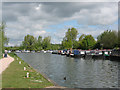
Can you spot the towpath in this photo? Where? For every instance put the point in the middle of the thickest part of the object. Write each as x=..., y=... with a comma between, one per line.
x=5, y=62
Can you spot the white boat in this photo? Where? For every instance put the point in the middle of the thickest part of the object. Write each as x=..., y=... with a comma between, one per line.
x=44, y=51
x=18, y=51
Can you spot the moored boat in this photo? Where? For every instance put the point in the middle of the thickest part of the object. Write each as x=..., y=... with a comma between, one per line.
x=115, y=55
x=98, y=55
x=89, y=54
x=55, y=52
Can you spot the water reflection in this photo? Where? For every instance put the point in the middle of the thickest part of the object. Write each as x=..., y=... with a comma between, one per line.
x=79, y=73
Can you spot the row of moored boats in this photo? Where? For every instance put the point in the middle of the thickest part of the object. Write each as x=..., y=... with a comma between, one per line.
x=90, y=54
x=87, y=54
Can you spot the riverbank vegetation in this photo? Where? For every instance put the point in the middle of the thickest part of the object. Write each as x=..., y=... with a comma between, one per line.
x=15, y=76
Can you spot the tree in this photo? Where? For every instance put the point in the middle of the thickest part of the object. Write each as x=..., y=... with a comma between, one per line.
x=67, y=44
x=119, y=38
x=80, y=46
x=46, y=43
x=29, y=42
x=108, y=39
x=3, y=39
x=55, y=46
x=76, y=45
x=38, y=44
x=97, y=46
x=88, y=42
x=81, y=37
x=69, y=38
x=71, y=34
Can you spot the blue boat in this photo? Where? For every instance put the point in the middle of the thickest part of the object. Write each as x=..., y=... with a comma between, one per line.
x=64, y=52
x=76, y=54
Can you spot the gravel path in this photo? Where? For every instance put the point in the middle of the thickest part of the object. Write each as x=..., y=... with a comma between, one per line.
x=4, y=63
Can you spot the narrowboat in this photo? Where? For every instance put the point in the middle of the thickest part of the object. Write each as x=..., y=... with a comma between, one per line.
x=63, y=52
x=55, y=52
x=76, y=53
x=98, y=55
x=115, y=55
x=89, y=54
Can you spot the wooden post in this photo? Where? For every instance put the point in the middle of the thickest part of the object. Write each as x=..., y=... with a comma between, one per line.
x=27, y=74
x=19, y=62
x=24, y=68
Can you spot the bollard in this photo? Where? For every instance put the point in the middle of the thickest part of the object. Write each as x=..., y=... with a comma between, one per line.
x=27, y=74
x=19, y=62
x=24, y=68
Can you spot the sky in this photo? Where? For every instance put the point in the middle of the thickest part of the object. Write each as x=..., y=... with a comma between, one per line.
x=54, y=18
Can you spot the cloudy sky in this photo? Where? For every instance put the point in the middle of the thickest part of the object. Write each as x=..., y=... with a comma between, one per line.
x=54, y=18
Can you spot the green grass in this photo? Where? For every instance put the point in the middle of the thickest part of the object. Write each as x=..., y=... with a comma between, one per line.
x=15, y=76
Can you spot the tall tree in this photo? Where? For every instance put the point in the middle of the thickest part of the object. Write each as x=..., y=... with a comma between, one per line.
x=71, y=34
x=29, y=42
x=3, y=39
x=119, y=38
x=80, y=46
x=46, y=43
x=67, y=44
x=88, y=42
x=108, y=39
x=38, y=44
x=70, y=38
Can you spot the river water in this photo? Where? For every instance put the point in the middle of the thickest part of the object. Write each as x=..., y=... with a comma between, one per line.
x=79, y=73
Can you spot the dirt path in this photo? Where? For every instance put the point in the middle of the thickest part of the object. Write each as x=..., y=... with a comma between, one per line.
x=4, y=63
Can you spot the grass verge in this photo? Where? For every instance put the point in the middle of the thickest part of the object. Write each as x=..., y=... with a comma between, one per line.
x=15, y=76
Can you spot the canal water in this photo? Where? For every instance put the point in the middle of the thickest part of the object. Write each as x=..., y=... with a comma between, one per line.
x=79, y=73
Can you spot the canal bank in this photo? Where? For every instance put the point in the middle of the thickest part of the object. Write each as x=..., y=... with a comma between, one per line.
x=16, y=76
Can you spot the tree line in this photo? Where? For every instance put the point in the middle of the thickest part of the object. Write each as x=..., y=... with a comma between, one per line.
x=37, y=44
x=106, y=40
x=109, y=39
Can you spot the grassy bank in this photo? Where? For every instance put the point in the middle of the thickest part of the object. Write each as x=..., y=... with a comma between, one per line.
x=15, y=76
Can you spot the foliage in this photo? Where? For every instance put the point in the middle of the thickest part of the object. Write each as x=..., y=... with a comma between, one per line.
x=13, y=48
x=76, y=45
x=88, y=42
x=80, y=46
x=119, y=38
x=55, y=46
x=69, y=38
x=97, y=46
x=108, y=39
x=29, y=42
x=71, y=34
x=67, y=44
x=46, y=43
x=2, y=30
x=38, y=44
x=3, y=39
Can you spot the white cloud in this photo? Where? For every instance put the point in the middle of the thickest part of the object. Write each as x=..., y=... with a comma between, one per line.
x=34, y=18
x=37, y=33
x=37, y=26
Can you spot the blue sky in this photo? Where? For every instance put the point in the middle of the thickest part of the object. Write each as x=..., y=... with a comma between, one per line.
x=54, y=18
